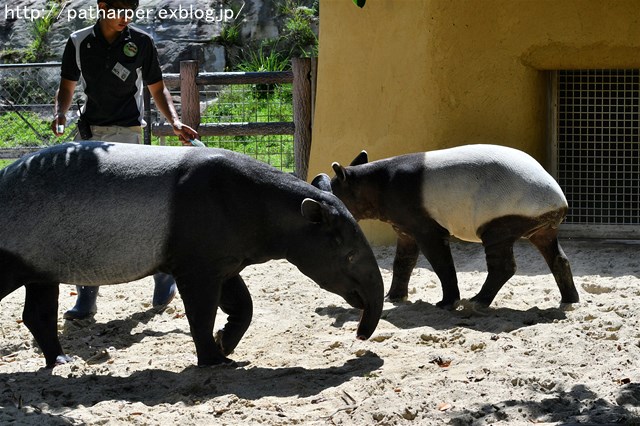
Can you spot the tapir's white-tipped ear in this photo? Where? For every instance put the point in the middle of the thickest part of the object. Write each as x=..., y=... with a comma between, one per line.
x=322, y=181
x=312, y=210
x=362, y=158
x=341, y=173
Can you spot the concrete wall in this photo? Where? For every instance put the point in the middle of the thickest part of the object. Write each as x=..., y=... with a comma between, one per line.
x=413, y=75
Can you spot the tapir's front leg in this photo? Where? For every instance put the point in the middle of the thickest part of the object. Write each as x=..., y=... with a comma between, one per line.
x=201, y=296
x=40, y=315
x=407, y=253
x=236, y=302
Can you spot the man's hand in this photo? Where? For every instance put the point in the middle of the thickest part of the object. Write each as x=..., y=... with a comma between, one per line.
x=60, y=120
x=184, y=132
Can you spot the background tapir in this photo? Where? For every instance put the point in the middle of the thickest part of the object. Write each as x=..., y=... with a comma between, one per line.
x=96, y=213
x=483, y=193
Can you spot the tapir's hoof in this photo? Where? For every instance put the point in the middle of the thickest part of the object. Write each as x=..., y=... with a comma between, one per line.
x=225, y=362
x=218, y=337
x=72, y=314
x=60, y=359
x=397, y=297
x=480, y=301
x=472, y=307
x=449, y=305
x=569, y=300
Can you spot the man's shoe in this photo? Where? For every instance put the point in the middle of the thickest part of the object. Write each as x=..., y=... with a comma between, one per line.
x=85, y=303
x=165, y=289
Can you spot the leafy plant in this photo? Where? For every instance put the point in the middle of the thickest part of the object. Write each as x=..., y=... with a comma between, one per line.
x=229, y=36
x=11, y=55
x=359, y=3
x=265, y=58
x=38, y=50
x=298, y=32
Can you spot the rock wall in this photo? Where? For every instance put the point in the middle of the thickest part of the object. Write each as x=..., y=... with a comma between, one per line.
x=182, y=29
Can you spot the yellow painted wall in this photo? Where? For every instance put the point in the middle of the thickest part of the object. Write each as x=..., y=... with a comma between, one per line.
x=402, y=76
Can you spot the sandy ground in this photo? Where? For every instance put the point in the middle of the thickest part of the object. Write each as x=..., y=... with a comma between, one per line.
x=526, y=360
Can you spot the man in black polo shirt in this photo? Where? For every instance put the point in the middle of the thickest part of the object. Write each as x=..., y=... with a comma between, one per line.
x=114, y=60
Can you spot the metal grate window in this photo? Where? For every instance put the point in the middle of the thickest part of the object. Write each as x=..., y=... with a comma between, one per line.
x=597, y=158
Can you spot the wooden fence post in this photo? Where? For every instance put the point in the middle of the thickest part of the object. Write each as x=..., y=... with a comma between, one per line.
x=302, y=115
x=314, y=87
x=189, y=93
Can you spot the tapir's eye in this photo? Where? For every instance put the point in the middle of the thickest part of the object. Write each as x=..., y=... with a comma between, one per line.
x=351, y=256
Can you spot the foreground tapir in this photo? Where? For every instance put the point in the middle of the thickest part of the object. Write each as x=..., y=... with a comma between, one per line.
x=96, y=213
x=483, y=193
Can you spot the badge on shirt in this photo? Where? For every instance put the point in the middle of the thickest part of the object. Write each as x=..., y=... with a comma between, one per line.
x=130, y=49
x=120, y=71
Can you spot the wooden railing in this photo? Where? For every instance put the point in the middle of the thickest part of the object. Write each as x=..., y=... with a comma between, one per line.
x=189, y=80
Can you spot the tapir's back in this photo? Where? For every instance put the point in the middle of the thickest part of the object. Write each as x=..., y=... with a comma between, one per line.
x=468, y=186
x=75, y=208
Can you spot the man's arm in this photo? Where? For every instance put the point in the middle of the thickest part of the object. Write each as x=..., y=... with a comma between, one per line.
x=163, y=101
x=63, y=99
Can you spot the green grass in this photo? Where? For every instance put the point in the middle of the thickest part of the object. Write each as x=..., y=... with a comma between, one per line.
x=15, y=132
x=238, y=104
x=5, y=163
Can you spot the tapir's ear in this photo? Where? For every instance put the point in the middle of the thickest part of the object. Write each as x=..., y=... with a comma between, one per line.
x=362, y=158
x=341, y=173
x=322, y=181
x=312, y=210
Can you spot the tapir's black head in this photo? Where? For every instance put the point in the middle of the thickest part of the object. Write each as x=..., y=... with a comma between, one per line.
x=347, y=187
x=334, y=252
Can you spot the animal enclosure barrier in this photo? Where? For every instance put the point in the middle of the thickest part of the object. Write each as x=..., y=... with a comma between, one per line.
x=262, y=128
x=209, y=100
x=596, y=150
x=26, y=96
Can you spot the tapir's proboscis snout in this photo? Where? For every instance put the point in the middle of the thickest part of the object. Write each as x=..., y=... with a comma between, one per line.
x=371, y=312
x=198, y=214
x=370, y=300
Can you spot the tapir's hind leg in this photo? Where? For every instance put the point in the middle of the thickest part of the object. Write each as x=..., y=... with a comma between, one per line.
x=407, y=253
x=546, y=240
x=498, y=238
x=501, y=266
x=40, y=315
x=435, y=247
x=201, y=297
x=236, y=302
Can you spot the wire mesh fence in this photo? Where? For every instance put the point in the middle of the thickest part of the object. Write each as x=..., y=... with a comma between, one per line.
x=26, y=105
x=598, y=145
x=245, y=103
x=26, y=109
